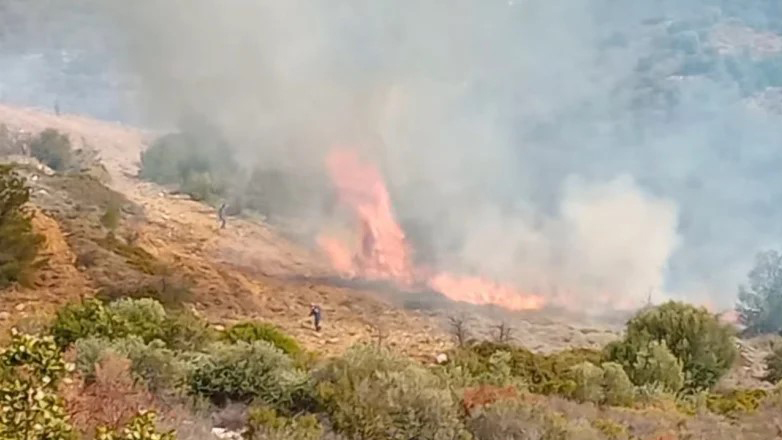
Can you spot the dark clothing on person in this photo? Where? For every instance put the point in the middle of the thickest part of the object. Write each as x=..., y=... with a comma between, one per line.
x=315, y=313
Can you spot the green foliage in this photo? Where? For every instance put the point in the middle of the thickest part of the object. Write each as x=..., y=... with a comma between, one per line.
x=517, y=420
x=370, y=393
x=696, y=337
x=30, y=371
x=53, y=149
x=655, y=364
x=158, y=367
x=618, y=390
x=774, y=365
x=735, y=402
x=88, y=318
x=588, y=379
x=135, y=256
x=246, y=372
x=19, y=244
x=142, y=427
x=197, y=160
x=111, y=217
x=143, y=318
x=546, y=374
x=265, y=423
x=610, y=429
x=252, y=331
x=759, y=306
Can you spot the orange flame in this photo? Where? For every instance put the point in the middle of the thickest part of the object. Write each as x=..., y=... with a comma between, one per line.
x=384, y=252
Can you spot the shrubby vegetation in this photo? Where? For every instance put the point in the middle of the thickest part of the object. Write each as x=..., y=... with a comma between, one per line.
x=53, y=149
x=697, y=338
x=485, y=391
x=18, y=241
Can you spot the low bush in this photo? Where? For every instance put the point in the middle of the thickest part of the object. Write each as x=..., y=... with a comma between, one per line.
x=247, y=372
x=696, y=337
x=264, y=423
x=53, y=149
x=773, y=363
x=142, y=427
x=518, y=420
x=618, y=390
x=655, y=364
x=735, y=402
x=588, y=380
x=144, y=318
x=370, y=393
x=31, y=369
x=19, y=243
x=75, y=321
x=111, y=217
x=259, y=331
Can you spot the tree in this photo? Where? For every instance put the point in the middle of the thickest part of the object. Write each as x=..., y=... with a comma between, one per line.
x=760, y=303
x=53, y=149
x=19, y=244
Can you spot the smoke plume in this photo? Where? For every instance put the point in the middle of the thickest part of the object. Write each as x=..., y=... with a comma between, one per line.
x=553, y=145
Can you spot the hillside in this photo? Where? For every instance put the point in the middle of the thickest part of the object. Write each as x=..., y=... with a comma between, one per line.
x=248, y=270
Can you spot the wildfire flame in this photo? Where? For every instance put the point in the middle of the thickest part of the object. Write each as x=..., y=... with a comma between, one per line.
x=384, y=252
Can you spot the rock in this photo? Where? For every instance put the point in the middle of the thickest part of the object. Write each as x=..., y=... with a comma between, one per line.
x=219, y=328
x=441, y=358
x=4, y=316
x=19, y=307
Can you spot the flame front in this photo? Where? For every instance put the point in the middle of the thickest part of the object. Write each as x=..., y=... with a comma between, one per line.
x=384, y=253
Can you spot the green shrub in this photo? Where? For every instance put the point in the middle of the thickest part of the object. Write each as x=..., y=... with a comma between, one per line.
x=259, y=331
x=111, y=217
x=610, y=429
x=185, y=331
x=53, y=149
x=618, y=390
x=158, y=367
x=143, y=317
x=245, y=372
x=19, y=243
x=88, y=318
x=655, y=364
x=696, y=337
x=518, y=420
x=546, y=374
x=370, y=393
x=263, y=423
x=30, y=409
x=774, y=365
x=735, y=402
x=142, y=427
x=589, y=382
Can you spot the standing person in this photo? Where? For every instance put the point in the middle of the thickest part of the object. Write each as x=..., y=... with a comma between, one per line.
x=316, y=315
x=221, y=215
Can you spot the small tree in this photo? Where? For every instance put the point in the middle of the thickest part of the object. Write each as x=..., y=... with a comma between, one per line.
x=459, y=329
x=503, y=334
x=760, y=303
x=52, y=148
x=19, y=244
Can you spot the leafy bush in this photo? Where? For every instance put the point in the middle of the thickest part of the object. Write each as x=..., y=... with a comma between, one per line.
x=143, y=317
x=111, y=217
x=88, y=318
x=588, y=379
x=774, y=365
x=196, y=159
x=518, y=420
x=142, y=427
x=263, y=423
x=546, y=374
x=159, y=368
x=696, y=337
x=735, y=402
x=259, y=331
x=19, y=243
x=30, y=409
x=759, y=305
x=618, y=390
x=655, y=364
x=52, y=148
x=370, y=393
x=246, y=372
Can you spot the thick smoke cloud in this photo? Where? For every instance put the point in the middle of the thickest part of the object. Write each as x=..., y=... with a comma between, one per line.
x=549, y=144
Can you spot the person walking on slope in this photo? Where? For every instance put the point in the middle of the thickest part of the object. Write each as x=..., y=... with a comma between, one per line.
x=315, y=313
x=221, y=215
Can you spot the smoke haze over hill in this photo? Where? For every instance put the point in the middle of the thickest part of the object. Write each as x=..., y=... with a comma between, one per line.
x=593, y=149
